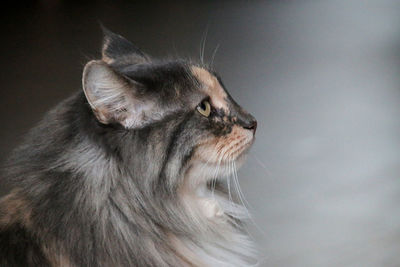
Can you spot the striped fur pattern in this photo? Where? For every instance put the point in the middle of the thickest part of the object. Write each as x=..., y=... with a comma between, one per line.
x=127, y=172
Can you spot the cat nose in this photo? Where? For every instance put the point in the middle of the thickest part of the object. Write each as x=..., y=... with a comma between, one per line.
x=246, y=120
x=251, y=125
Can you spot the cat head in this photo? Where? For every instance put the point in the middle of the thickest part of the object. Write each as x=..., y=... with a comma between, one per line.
x=186, y=112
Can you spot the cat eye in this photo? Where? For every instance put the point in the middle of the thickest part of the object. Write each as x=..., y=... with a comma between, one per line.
x=204, y=108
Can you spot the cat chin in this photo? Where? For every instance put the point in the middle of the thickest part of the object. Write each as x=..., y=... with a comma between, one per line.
x=201, y=172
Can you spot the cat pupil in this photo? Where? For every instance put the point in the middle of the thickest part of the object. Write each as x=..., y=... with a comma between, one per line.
x=203, y=105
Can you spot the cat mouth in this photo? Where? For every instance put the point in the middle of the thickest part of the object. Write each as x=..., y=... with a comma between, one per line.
x=242, y=150
x=235, y=155
x=215, y=163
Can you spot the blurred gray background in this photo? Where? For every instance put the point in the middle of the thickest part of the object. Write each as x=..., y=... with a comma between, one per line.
x=322, y=78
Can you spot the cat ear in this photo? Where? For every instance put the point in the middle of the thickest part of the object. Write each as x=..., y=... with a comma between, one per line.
x=112, y=96
x=117, y=48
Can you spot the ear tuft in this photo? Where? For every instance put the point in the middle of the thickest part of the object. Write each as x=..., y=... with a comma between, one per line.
x=117, y=48
x=107, y=92
x=114, y=98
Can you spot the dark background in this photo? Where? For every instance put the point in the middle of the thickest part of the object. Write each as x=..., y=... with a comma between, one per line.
x=322, y=78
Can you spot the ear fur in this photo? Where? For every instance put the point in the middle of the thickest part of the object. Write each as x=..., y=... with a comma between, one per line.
x=112, y=96
x=116, y=49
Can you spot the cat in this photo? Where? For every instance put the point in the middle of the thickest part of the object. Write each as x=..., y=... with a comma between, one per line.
x=131, y=170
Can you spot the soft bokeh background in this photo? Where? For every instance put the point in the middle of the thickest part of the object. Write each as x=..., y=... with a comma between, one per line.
x=322, y=78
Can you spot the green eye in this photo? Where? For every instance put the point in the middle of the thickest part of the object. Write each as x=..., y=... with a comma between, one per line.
x=204, y=108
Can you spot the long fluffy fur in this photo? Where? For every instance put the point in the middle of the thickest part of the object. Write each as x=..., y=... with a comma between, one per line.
x=89, y=193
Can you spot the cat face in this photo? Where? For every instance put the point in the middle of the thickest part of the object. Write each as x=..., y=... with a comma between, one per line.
x=183, y=107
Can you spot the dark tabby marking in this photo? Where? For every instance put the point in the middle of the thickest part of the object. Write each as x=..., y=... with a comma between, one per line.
x=123, y=173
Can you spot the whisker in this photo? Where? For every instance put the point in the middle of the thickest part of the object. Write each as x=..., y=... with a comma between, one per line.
x=240, y=192
x=261, y=164
x=214, y=180
x=203, y=44
x=213, y=55
x=229, y=183
x=249, y=215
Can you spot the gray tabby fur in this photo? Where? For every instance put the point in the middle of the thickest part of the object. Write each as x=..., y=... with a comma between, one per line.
x=117, y=174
